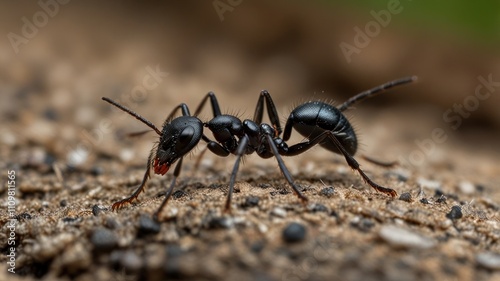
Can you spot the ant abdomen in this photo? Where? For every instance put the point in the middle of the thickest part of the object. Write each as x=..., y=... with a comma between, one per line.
x=313, y=118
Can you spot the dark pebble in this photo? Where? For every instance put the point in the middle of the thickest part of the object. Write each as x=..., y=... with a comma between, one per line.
x=438, y=193
x=219, y=223
x=63, y=203
x=104, y=239
x=172, y=266
x=174, y=251
x=364, y=224
x=327, y=192
x=251, y=201
x=24, y=216
x=50, y=114
x=319, y=208
x=264, y=185
x=215, y=186
x=455, y=213
x=424, y=201
x=257, y=246
x=179, y=194
x=406, y=196
x=148, y=226
x=441, y=199
x=294, y=232
x=96, y=171
x=71, y=220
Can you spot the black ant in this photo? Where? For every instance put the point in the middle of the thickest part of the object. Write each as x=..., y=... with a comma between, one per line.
x=320, y=122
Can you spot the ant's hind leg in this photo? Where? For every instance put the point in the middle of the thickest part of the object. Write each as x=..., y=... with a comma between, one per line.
x=304, y=146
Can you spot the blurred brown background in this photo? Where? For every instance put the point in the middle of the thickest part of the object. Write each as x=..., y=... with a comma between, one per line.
x=73, y=158
x=58, y=59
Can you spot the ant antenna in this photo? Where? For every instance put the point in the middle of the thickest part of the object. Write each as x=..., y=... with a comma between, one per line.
x=366, y=94
x=137, y=116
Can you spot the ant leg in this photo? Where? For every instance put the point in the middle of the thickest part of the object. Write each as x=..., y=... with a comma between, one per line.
x=177, y=171
x=304, y=146
x=284, y=170
x=239, y=152
x=136, y=193
x=184, y=109
x=214, y=147
x=369, y=93
x=271, y=111
x=213, y=101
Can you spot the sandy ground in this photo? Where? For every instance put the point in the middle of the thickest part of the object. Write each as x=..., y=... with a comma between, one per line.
x=73, y=159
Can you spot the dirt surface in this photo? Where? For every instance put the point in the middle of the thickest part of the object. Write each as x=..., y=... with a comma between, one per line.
x=73, y=159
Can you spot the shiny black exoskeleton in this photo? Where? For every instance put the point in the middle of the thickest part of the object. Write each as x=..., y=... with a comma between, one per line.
x=321, y=123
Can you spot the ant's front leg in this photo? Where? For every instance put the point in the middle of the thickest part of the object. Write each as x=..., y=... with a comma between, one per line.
x=177, y=171
x=131, y=198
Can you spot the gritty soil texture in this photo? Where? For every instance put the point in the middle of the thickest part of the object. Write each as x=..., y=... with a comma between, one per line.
x=441, y=226
x=73, y=160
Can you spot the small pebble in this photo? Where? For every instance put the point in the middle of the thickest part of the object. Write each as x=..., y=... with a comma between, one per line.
x=130, y=261
x=466, y=187
x=489, y=260
x=430, y=184
x=179, y=194
x=96, y=210
x=363, y=224
x=317, y=207
x=424, y=201
x=294, y=232
x=406, y=196
x=400, y=175
x=455, y=213
x=96, y=171
x=401, y=237
x=148, y=226
x=441, y=199
x=264, y=185
x=104, y=239
x=24, y=216
x=251, y=201
x=63, y=203
x=327, y=191
x=71, y=220
x=278, y=212
x=77, y=157
x=220, y=222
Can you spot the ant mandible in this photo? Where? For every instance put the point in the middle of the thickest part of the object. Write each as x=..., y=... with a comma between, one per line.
x=320, y=122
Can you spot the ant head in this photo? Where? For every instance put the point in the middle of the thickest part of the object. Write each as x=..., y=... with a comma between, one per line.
x=178, y=138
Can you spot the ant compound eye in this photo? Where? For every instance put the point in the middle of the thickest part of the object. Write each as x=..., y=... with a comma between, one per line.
x=185, y=137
